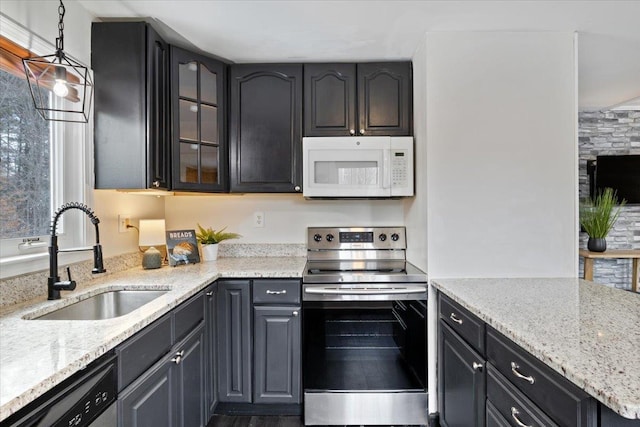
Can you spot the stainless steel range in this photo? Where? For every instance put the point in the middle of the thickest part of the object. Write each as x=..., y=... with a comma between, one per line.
x=364, y=320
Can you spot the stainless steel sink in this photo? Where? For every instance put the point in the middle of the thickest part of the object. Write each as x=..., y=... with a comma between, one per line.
x=102, y=306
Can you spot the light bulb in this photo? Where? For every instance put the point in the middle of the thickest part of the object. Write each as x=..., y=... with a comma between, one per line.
x=60, y=88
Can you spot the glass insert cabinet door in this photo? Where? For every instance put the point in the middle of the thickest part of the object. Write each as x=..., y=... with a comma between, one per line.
x=199, y=146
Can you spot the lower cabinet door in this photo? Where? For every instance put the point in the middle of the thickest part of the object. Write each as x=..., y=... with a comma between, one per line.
x=234, y=341
x=462, y=381
x=190, y=378
x=277, y=354
x=150, y=400
x=211, y=386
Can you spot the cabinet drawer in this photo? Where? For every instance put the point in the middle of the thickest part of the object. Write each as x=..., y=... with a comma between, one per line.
x=512, y=404
x=141, y=351
x=188, y=315
x=554, y=394
x=276, y=291
x=467, y=325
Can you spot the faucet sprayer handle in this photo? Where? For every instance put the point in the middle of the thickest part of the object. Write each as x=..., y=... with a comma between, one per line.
x=69, y=274
x=98, y=265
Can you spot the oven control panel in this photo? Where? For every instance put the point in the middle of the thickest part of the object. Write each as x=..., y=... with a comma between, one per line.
x=337, y=238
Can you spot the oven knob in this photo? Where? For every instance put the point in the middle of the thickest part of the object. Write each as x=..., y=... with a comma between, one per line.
x=329, y=237
x=395, y=237
x=317, y=237
x=382, y=237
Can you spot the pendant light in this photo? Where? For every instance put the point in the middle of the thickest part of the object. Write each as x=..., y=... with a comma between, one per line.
x=69, y=81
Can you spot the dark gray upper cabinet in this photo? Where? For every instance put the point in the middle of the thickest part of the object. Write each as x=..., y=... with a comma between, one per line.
x=358, y=99
x=330, y=99
x=265, y=134
x=199, y=147
x=234, y=341
x=131, y=117
x=385, y=98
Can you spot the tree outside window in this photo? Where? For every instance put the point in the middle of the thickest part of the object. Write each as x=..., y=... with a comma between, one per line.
x=25, y=171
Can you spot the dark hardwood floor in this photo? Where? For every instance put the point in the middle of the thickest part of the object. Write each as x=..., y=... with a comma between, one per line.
x=256, y=421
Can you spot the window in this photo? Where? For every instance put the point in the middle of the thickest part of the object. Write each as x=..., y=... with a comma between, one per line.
x=42, y=164
x=25, y=170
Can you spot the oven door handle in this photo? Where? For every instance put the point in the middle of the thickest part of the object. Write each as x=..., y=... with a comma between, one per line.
x=365, y=291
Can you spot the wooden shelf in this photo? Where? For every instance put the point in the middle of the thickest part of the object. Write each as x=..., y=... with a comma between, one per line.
x=632, y=254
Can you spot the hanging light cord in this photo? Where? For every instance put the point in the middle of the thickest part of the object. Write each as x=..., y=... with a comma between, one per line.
x=60, y=39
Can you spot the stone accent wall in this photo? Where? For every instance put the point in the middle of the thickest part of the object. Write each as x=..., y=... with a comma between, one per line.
x=602, y=133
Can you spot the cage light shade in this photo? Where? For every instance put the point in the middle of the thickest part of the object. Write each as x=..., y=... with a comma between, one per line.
x=69, y=80
x=152, y=232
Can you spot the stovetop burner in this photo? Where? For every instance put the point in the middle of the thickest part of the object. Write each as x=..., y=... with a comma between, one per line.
x=358, y=255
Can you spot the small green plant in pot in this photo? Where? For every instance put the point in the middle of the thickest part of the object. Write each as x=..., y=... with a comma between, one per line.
x=597, y=217
x=209, y=239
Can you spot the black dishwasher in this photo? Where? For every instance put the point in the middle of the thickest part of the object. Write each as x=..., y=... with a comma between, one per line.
x=88, y=398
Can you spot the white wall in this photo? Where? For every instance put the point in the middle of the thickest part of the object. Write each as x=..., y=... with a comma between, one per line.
x=501, y=154
x=108, y=204
x=415, y=208
x=286, y=216
x=500, y=114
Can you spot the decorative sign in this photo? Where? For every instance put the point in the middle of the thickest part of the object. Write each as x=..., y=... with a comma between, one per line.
x=182, y=247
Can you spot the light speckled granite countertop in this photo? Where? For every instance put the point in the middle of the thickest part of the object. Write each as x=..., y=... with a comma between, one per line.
x=587, y=332
x=36, y=355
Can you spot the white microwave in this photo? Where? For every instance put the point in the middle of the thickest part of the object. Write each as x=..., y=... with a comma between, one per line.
x=366, y=166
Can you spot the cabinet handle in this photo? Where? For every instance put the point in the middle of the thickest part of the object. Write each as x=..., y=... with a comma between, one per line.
x=514, y=369
x=453, y=317
x=295, y=313
x=178, y=357
x=282, y=292
x=352, y=131
x=361, y=131
x=209, y=294
x=514, y=415
x=156, y=183
x=297, y=188
x=476, y=366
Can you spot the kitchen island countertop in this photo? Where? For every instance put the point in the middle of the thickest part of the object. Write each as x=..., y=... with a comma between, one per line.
x=587, y=332
x=36, y=355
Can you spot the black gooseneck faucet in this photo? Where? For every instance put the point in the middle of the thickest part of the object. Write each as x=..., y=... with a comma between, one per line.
x=54, y=284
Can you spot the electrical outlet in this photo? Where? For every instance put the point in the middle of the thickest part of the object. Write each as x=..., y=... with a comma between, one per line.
x=123, y=221
x=258, y=219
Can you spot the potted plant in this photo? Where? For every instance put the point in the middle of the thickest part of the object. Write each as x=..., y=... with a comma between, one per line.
x=597, y=217
x=209, y=239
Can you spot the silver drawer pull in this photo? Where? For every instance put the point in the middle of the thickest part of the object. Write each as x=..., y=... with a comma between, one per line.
x=514, y=369
x=514, y=415
x=453, y=317
x=209, y=294
x=282, y=292
x=295, y=313
x=476, y=366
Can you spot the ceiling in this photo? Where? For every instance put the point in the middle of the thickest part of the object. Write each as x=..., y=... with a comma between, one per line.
x=350, y=30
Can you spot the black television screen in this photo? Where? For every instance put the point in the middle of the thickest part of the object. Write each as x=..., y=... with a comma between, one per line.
x=622, y=173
